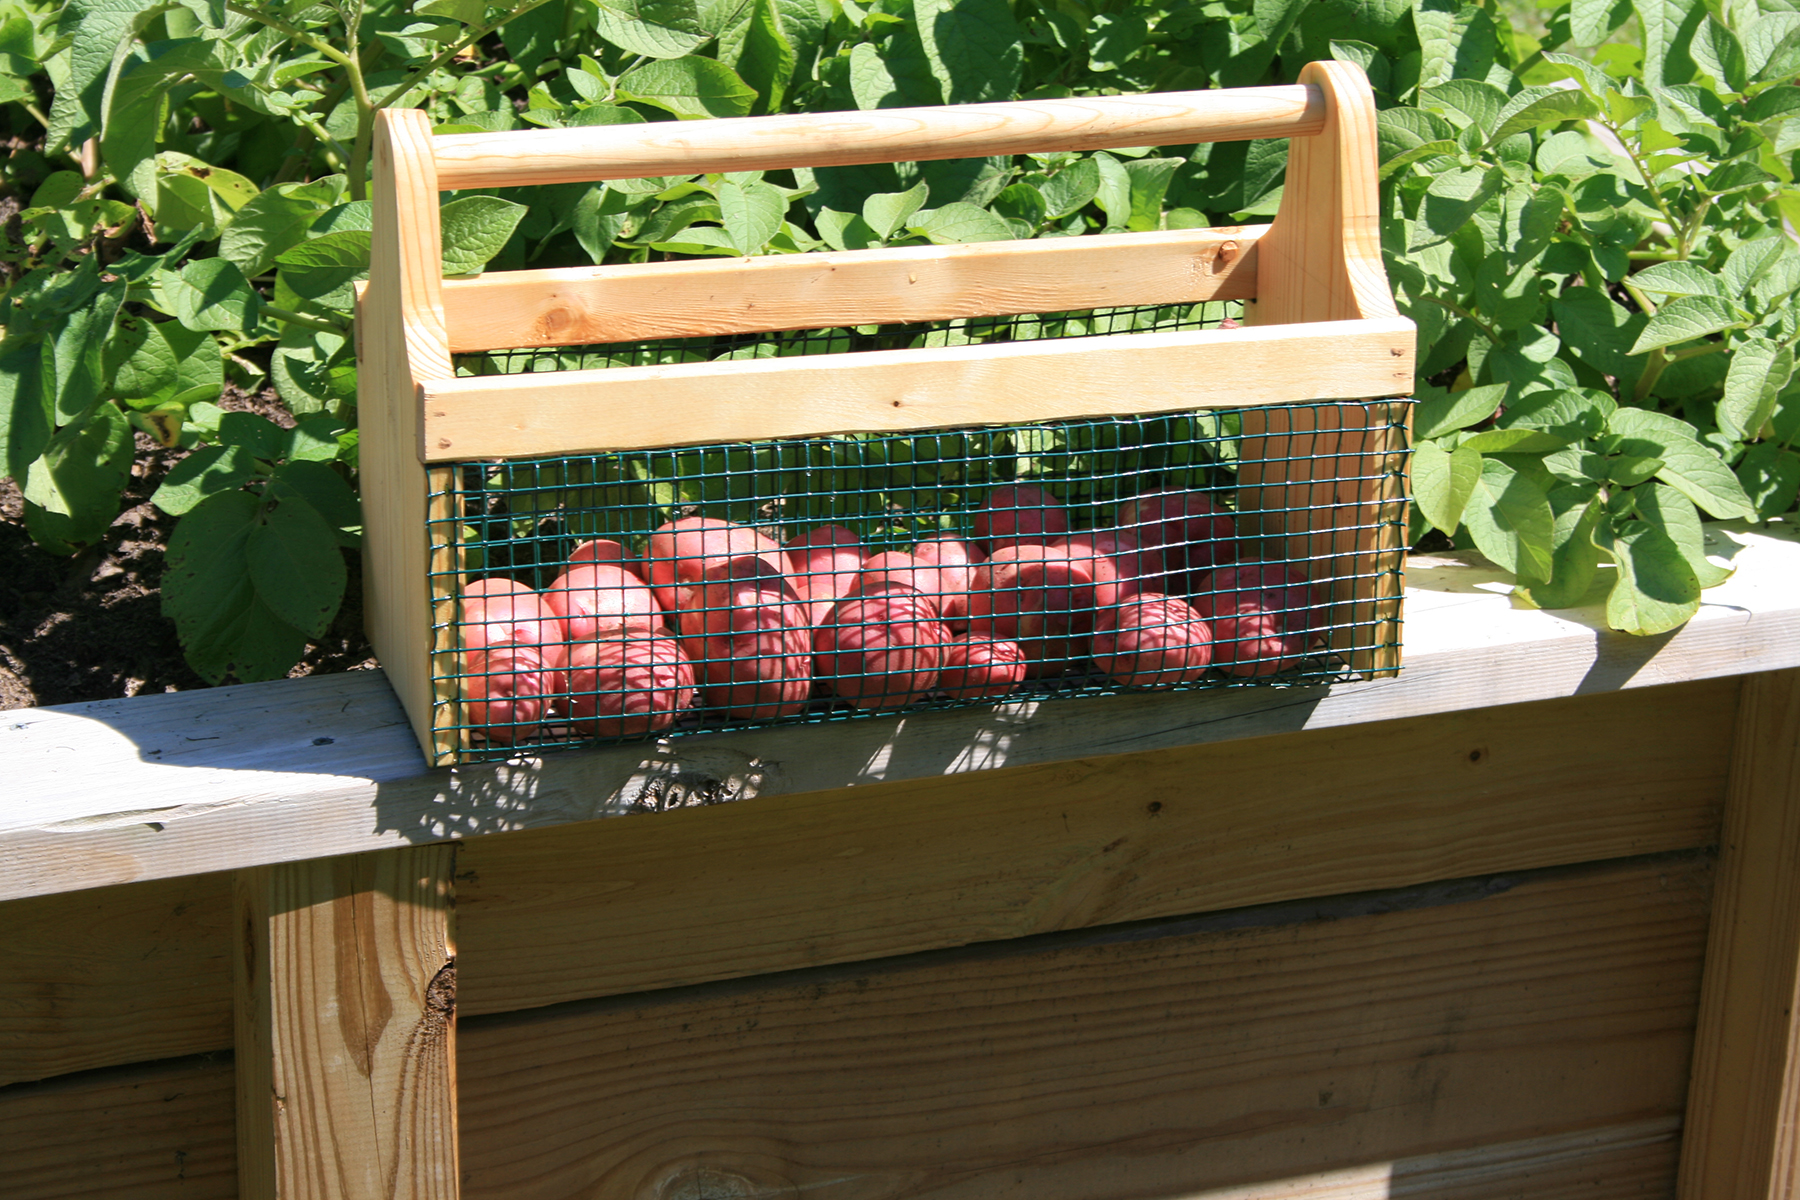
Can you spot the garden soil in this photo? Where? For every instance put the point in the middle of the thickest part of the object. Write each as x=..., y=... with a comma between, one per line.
x=91, y=627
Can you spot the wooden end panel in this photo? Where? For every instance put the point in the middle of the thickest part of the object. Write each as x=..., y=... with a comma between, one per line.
x=1324, y=487
x=448, y=740
x=592, y=305
x=542, y=156
x=575, y=412
x=684, y=897
x=1435, y=1049
x=401, y=342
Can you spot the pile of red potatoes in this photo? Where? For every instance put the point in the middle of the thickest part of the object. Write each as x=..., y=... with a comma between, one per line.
x=719, y=613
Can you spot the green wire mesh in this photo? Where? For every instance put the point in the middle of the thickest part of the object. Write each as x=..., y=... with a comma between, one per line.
x=578, y=626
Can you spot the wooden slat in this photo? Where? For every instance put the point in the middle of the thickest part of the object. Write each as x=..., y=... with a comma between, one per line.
x=1743, y=1139
x=400, y=341
x=574, y=306
x=481, y=160
x=114, y=975
x=345, y=1021
x=510, y=416
x=836, y=877
x=1252, y=1047
x=158, y=1131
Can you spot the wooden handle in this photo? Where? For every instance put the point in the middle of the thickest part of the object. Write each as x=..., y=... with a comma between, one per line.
x=592, y=153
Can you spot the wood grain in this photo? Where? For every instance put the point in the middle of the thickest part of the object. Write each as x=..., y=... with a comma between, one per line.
x=157, y=1131
x=1743, y=1136
x=835, y=877
x=574, y=306
x=400, y=342
x=1253, y=1048
x=114, y=975
x=345, y=1020
x=508, y=416
x=480, y=160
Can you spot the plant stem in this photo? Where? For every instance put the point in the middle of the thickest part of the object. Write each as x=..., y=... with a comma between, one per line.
x=1486, y=329
x=294, y=318
x=294, y=31
x=1644, y=174
x=405, y=85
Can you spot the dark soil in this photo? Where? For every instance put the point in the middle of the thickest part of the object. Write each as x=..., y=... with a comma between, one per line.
x=91, y=627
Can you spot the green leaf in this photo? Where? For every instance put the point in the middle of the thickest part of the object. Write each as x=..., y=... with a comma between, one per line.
x=26, y=414
x=72, y=491
x=1114, y=37
x=888, y=211
x=1772, y=48
x=1575, y=562
x=206, y=472
x=1675, y=515
x=1466, y=102
x=1718, y=52
x=296, y=565
x=1591, y=20
x=325, y=490
x=75, y=354
x=100, y=30
x=1575, y=153
x=1748, y=263
x=1070, y=189
x=1573, y=413
x=475, y=228
x=871, y=84
x=138, y=359
x=1759, y=370
x=1149, y=184
x=324, y=269
x=1656, y=590
x=1455, y=40
x=767, y=58
x=960, y=222
x=1452, y=199
x=1691, y=468
x=1684, y=319
x=1442, y=482
x=468, y=12
x=207, y=591
x=751, y=213
x=1538, y=106
x=1436, y=413
x=1771, y=478
x=274, y=220
x=689, y=87
x=1508, y=516
x=314, y=439
x=846, y=231
x=212, y=294
x=1599, y=332
x=974, y=47
x=256, y=434
x=1515, y=441
x=664, y=29
x=1668, y=28
x=1629, y=470
x=1678, y=279
x=135, y=110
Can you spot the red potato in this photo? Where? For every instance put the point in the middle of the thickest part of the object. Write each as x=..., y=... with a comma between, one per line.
x=599, y=550
x=1041, y=598
x=976, y=668
x=951, y=564
x=823, y=564
x=1152, y=641
x=882, y=647
x=750, y=637
x=507, y=691
x=1138, y=569
x=683, y=551
x=1020, y=514
x=599, y=599
x=1190, y=530
x=1265, y=617
x=503, y=612
x=629, y=684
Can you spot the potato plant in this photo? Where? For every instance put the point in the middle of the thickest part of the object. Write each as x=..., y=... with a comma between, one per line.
x=1587, y=226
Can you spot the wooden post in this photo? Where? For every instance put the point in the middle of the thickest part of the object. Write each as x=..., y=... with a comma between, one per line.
x=345, y=1028
x=1743, y=1116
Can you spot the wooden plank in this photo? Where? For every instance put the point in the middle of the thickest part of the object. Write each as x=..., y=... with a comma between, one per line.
x=481, y=160
x=623, y=906
x=574, y=306
x=156, y=1131
x=511, y=416
x=400, y=342
x=1246, y=1048
x=230, y=777
x=115, y=975
x=1743, y=1137
x=345, y=1028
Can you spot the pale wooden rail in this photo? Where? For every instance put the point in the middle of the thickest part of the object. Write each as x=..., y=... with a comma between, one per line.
x=480, y=160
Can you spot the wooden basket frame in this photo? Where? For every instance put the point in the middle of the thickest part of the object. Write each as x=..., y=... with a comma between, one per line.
x=1321, y=320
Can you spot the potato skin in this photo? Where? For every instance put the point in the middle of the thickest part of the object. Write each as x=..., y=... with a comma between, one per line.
x=1139, y=570
x=1152, y=641
x=599, y=550
x=503, y=612
x=507, y=691
x=1019, y=514
x=977, y=668
x=823, y=564
x=882, y=647
x=682, y=552
x=1191, y=532
x=1265, y=617
x=598, y=599
x=629, y=684
x=750, y=637
x=1041, y=598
